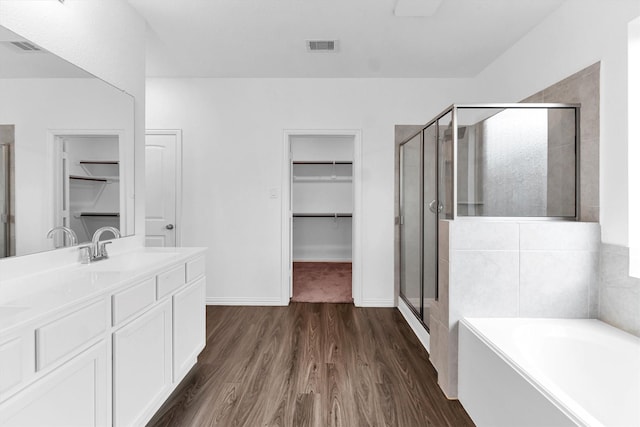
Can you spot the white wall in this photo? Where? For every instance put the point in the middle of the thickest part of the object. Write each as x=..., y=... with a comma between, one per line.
x=233, y=131
x=107, y=39
x=634, y=147
x=232, y=152
x=577, y=35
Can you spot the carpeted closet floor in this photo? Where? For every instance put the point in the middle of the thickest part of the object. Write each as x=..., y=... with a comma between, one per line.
x=322, y=282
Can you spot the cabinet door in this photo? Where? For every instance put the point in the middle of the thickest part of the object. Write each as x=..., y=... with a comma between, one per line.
x=141, y=366
x=75, y=394
x=188, y=327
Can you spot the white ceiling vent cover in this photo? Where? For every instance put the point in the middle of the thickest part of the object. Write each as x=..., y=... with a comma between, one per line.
x=26, y=46
x=322, y=45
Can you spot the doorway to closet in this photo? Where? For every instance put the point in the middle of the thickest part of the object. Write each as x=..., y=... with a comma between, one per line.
x=321, y=217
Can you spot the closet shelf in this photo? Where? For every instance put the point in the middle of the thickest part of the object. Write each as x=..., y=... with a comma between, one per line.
x=101, y=168
x=322, y=215
x=99, y=162
x=102, y=214
x=87, y=178
x=322, y=162
x=333, y=178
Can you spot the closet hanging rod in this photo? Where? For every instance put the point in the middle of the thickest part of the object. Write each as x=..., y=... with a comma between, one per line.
x=320, y=162
x=111, y=214
x=87, y=178
x=99, y=162
x=322, y=215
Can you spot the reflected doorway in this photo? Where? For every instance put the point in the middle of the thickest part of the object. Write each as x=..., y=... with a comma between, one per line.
x=7, y=194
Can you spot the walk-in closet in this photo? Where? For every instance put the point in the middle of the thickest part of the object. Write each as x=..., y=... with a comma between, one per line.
x=322, y=208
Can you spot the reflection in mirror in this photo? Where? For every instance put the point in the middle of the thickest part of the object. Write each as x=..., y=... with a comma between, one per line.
x=7, y=237
x=71, y=161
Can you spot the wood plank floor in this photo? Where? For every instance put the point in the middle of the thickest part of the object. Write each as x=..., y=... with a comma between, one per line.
x=310, y=365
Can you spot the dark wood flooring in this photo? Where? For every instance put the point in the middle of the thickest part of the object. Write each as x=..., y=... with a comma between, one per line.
x=310, y=365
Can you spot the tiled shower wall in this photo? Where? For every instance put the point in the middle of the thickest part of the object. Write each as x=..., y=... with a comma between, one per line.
x=583, y=88
x=510, y=269
x=619, y=293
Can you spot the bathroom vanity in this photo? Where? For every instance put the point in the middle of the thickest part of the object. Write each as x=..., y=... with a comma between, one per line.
x=100, y=344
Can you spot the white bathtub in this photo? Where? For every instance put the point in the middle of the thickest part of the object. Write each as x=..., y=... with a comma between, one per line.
x=548, y=372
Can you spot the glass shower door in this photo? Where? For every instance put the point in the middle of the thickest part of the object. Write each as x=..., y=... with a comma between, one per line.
x=411, y=223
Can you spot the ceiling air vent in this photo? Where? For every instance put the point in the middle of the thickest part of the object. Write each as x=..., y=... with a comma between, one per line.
x=322, y=45
x=26, y=46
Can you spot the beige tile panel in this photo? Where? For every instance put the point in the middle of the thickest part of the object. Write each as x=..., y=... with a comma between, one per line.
x=443, y=239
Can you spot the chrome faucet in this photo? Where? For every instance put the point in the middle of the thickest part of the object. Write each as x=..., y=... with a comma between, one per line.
x=97, y=250
x=73, y=237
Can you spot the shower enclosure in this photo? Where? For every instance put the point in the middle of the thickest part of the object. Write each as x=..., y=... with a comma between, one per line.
x=481, y=162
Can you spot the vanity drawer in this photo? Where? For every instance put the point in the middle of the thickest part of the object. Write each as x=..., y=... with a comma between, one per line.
x=170, y=280
x=195, y=268
x=66, y=334
x=132, y=300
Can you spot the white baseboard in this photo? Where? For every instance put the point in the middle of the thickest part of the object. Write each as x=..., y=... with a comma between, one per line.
x=323, y=260
x=415, y=325
x=376, y=302
x=243, y=301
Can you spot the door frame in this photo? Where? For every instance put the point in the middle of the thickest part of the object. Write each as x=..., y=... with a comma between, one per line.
x=178, y=208
x=286, y=213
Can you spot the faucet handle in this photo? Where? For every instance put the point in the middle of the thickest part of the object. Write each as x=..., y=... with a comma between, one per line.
x=86, y=253
x=102, y=249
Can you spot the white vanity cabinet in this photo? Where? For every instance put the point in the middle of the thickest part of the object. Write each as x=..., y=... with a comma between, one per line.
x=68, y=366
x=188, y=327
x=112, y=357
x=153, y=352
x=74, y=394
x=141, y=365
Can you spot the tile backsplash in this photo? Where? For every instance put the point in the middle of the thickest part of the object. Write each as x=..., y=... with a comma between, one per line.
x=619, y=293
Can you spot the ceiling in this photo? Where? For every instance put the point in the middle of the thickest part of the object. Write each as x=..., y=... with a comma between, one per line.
x=266, y=38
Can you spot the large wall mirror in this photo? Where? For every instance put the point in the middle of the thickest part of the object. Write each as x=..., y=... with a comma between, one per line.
x=66, y=151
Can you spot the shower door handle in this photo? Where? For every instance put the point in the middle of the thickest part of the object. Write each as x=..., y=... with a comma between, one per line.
x=433, y=208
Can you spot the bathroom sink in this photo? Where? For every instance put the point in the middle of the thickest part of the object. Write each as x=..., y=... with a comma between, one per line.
x=128, y=262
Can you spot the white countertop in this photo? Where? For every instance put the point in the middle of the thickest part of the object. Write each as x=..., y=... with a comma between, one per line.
x=27, y=298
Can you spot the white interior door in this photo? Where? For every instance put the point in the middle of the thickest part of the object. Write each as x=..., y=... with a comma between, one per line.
x=162, y=170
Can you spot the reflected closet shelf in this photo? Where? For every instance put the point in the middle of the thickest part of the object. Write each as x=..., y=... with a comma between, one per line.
x=101, y=179
x=101, y=168
x=102, y=214
x=333, y=178
x=87, y=178
x=322, y=162
x=322, y=215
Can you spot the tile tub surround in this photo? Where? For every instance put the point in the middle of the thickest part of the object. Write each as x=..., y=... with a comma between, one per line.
x=510, y=269
x=619, y=293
